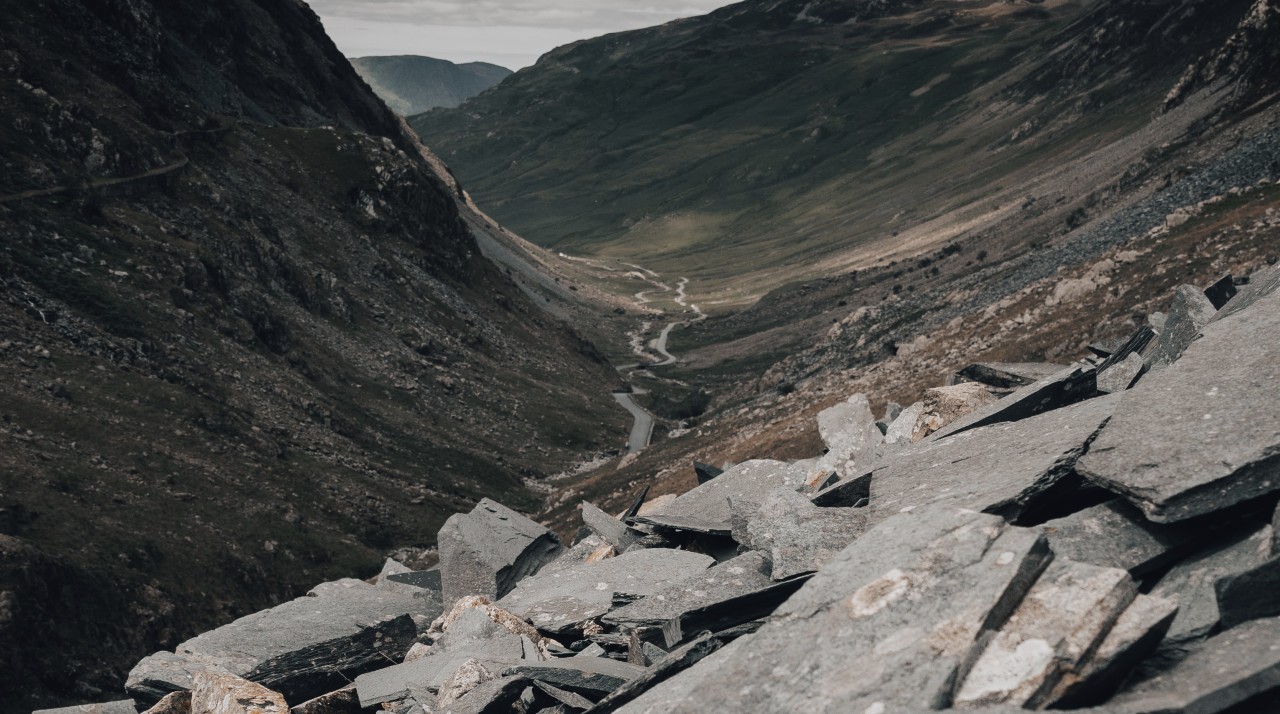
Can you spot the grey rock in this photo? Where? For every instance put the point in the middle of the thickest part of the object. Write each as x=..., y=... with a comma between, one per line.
x=495, y=696
x=1138, y=343
x=610, y=529
x=733, y=617
x=1202, y=434
x=573, y=700
x=389, y=567
x=473, y=635
x=592, y=675
x=1134, y=636
x=652, y=653
x=1121, y=376
x=421, y=579
x=944, y=406
x=343, y=701
x=1225, y=670
x=302, y=649
x=663, y=523
x=1261, y=285
x=849, y=431
x=221, y=693
x=847, y=493
x=1115, y=535
x=746, y=573
x=125, y=706
x=799, y=536
x=180, y=703
x=901, y=429
x=559, y=595
x=663, y=669
x=1188, y=315
x=1003, y=468
x=889, y=625
x=745, y=484
x=1062, y=389
x=1192, y=583
x=891, y=412
x=1009, y=375
x=1157, y=321
x=705, y=472
x=1249, y=595
x=1057, y=627
x=486, y=552
x=1221, y=292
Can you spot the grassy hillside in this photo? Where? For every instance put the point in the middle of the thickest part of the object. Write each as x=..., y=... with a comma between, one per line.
x=410, y=84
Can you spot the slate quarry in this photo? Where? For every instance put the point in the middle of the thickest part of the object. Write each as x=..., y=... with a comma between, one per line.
x=1078, y=543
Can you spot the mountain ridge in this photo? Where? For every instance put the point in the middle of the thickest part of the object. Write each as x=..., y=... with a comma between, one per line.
x=412, y=84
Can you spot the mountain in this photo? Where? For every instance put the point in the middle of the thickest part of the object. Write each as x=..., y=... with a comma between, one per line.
x=248, y=340
x=412, y=85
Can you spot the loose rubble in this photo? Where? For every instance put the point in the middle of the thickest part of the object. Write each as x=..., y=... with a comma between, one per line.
x=1094, y=538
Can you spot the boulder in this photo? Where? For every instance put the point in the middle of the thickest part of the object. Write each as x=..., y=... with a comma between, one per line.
x=487, y=551
x=213, y=693
x=1062, y=389
x=1115, y=535
x=946, y=405
x=745, y=484
x=799, y=536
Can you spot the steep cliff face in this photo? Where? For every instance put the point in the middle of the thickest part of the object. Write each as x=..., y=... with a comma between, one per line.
x=246, y=340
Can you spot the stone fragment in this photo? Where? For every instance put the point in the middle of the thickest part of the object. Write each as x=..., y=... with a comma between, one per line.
x=302, y=648
x=1188, y=315
x=849, y=431
x=744, y=574
x=1004, y=468
x=496, y=696
x=390, y=567
x=848, y=493
x=1115, y=535
x=125, y=706
x=469, y=675
x=1261, y=285
x=946, y=405
x=1121, y=376
x=1192, y=583
x=573, y=700
x=1055, y=629
x=1221, y=292
x=590, y=675
x=1062, y=389
x=421, y=579
x=901, y=428
x=729, y=618
x=610, y=529
x=705, y=472
x=799, y=536
x=1225, y=670
x=1008, y=375
x=685, y=524
x=745, y=484
x=664, y=667
x=562, y=596
x=486, y=552
x=658, y=505
x=213, y=693
x=180, y=703
x=635, y=506
x=1134, y=636
x=652, y=653
x=889, y=625
x=1137, y=343
x=511, y=622
x=1203, y=434
x=1249, y=595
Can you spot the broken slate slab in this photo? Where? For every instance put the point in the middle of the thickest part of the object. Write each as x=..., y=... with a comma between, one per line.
x=705, y=472
x=1203, y=434
x=302, y=648
x=848, y=493
x=343, y=701
x=1133, y=637
x=1121, y=376
x=1057, y=627
x=1192, y=583
x=799, y=536
x=1221, y=292
x=213, y=693
x=733, y=617
x=125, y=706
x=1249, y=595
x=1261, y=285
x=496, y=696
x=589, y=675
x=489, y=550
x=745, y=484
x=903, y=426
x=1223, y=671
x=568, y=596
x=1190, y=312
x=684, y=524
x=1062, y=389
x=663, y=669
x=573, y=700
x=744, y=574
x=849, y=431
x=1003, y=468
x=947, y=405
x=1009, y=375
x=889, y=625
x=1116, y=535
x=613, y=531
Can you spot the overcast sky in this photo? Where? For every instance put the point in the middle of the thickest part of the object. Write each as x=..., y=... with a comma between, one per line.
x=512, y=33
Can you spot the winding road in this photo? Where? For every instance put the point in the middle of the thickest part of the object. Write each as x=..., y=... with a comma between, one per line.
x=642, y=428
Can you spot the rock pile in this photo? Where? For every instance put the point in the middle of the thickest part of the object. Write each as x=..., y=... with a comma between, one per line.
x=1064, y=546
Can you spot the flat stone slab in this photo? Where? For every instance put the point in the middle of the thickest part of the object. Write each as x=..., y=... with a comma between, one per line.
x=489, y=550
x=663, y=669
x=634, y=574
x=1062, y=389
x=685, y=524
x=799, y=536
x=849, y=431
x=844, y=494
x=889, y=625
x=744, y=574
x=343, y=701
x=1002, y=468
x=302, y=649
x=610, y=529
x=705, y=472
x=1116, y=535
x=1009, y=375
x=1059, y=624
x=594, y=675
x=124, y=706
x=1202, y=434
x=1122, y=375
x=745, y=485
x=1190, y=312
x=943, y=406
x=1135, y=635
x=1225, y=670
x=1261, y=285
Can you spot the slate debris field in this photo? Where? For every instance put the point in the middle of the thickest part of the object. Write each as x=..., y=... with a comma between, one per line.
x=1056, y=548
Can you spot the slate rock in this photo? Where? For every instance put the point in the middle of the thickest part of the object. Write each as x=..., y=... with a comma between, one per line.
x=554, y=596
x=610, y=529
x=302, y=648
x=1221, y=292
x=1188, y=315
x=180, y=703
x=847, y=493
x=799, y=536
x=657, y=506
x=732, y=617
x=1137, y=343
x=1134, y=635
x=1115, y=535
x=1225, y=670
x=1192, y=583
x=421, y=579
x=489, y=550
x=745, y=484
x=1261, y=285
x=1122, y=375
x=468, y=675
x=1003, y=468
x=946, y=405
x=343, y=701
x=900, y=429
x=891, y=412
x=1061, y=390
x=849, y=431
x=495, y=696
x=663, y=669
x=1061, y=621
x=125, y=706
x=1008, y=375
x=705, y=472
x=1249, y=595
x=390, y=567
x=744, y=574
x=1203, y=434
x=213, y=693
x=591, y=675
x=889, y=625
x=572, y=700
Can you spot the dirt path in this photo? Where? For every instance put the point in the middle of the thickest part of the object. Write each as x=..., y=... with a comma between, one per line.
x=97, y=183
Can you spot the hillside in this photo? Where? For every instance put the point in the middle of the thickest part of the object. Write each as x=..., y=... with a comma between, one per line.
x=247, y=340
x=412, y=85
